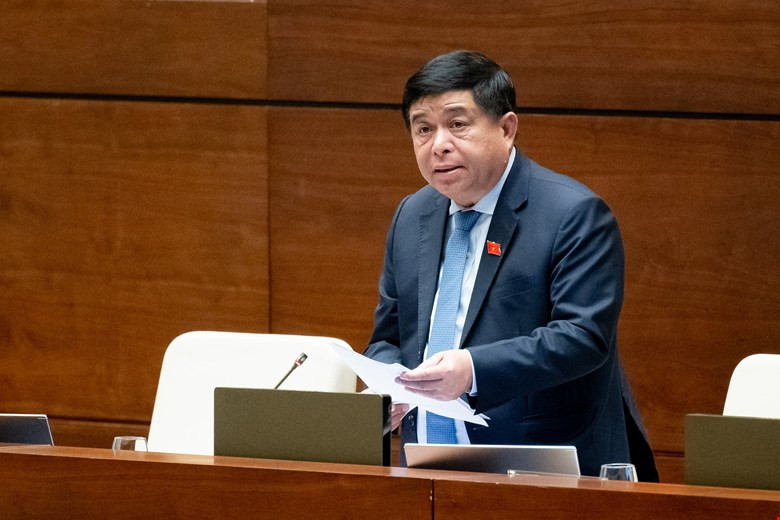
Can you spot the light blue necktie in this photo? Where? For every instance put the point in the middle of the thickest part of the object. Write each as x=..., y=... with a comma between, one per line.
x=441, y=430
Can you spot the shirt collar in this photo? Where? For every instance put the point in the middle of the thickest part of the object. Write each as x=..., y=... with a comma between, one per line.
x=487, y=204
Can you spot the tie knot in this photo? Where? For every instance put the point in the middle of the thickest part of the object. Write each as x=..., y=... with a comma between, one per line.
x=465, y=220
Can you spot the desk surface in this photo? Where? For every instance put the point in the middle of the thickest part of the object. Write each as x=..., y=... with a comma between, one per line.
x=64, y=482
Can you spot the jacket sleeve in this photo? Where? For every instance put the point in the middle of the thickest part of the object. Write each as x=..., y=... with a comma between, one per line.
x=384, y=344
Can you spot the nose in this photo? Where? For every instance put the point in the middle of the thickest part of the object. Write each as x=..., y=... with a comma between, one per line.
x=442, y=142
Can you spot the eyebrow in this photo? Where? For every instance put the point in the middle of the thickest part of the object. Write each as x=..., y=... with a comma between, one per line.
x=450, y=109
x=414, y=116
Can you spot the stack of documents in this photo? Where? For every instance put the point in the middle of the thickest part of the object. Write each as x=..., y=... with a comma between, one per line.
x=380, y=378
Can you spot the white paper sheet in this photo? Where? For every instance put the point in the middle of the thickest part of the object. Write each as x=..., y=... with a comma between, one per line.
x=380, y=378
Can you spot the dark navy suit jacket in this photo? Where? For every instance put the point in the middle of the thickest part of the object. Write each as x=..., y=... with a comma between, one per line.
x=542, y=323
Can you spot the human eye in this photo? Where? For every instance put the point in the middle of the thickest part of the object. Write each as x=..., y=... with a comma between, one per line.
x=422, y=132
x=458, y=125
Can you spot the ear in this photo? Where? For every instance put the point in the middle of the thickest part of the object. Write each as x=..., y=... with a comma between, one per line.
x=508, y=124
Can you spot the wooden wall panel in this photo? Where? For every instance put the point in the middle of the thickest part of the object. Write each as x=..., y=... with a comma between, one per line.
x=123, y=225
x=332, y=197
x=671, y=468
x=93, y=434
x=695, y=201
x=166, y=48
x=646, y=55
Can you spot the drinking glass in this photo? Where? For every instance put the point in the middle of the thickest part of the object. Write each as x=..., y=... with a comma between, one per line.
x=618, y=471
x=129, y=443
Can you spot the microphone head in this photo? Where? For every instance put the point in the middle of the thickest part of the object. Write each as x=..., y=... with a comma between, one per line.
x=301, y=358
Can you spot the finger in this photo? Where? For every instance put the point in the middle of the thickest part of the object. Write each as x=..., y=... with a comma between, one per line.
x=397, y=408
x=396, y=418
x=424, y=370
x=432, y=361
x=418, y=385
x=418, y=374
x=398, y=411
x=432, y=393
x=431, y=369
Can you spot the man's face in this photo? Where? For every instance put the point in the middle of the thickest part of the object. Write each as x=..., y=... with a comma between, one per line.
x=461, y=151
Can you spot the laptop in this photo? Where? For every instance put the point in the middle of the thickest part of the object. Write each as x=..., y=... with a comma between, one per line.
x=347, y=428
x=561, y=460
x=19, y=428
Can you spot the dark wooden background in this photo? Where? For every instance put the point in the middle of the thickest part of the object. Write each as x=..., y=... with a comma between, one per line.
x=169, y=166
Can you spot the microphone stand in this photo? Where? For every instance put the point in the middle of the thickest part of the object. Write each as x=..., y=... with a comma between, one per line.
x=298, y=362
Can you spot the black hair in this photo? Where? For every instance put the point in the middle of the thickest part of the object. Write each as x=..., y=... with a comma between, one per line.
x=490, y=85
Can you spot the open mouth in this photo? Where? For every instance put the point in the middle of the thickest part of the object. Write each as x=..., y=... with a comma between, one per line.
x=446, y=169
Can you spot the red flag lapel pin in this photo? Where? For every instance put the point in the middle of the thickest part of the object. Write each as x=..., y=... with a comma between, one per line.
x=494, y=248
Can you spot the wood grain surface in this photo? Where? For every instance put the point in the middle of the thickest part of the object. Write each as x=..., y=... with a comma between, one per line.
x=93, y=433
x=590, y=500
x=671, y=467
x=332, y=197
x=47, y=482
x=123, y=225
x=97, y=484
x=627, y=55
x=129, y=47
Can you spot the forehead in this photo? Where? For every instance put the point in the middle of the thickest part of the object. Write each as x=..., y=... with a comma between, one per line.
x=453, y=101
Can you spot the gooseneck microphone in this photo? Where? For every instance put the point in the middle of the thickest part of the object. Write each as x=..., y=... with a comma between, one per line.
x=298, y=362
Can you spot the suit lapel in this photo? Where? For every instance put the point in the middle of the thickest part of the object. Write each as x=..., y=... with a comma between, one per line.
x=432, y=226
x=505, y=220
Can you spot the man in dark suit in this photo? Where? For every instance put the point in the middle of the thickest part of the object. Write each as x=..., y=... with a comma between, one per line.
x=503, y=282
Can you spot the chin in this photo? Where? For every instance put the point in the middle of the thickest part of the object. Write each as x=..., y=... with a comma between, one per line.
x=447, y=191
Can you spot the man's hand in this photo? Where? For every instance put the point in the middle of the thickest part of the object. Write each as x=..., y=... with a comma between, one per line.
x=443, y=376
x=397, y=411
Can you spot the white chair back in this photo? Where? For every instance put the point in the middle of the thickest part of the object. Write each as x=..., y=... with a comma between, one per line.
x=754, y=390
x=197, y=362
